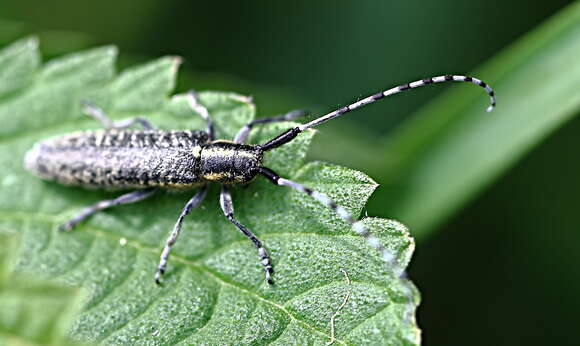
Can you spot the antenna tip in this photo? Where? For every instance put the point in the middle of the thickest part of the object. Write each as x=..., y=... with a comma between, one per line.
x=491, y=107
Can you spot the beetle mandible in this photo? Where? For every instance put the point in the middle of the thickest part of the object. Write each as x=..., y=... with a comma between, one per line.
x=149, y=159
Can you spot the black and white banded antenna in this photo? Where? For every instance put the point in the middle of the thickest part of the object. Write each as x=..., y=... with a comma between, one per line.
x=292, y=133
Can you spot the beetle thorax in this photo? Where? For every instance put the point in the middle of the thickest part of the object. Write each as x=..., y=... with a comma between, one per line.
x=230, y=163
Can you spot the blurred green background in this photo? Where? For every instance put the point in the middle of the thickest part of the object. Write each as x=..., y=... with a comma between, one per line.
x=502, y=270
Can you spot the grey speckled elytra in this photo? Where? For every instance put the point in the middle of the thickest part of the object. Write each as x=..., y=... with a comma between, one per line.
x=149, y=159
x=134, y=159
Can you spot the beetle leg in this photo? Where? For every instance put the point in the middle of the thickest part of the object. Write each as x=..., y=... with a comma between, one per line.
x=127, y=198
x=202, y=111
x=97, y=113
x=193, y=203
x=228, y=209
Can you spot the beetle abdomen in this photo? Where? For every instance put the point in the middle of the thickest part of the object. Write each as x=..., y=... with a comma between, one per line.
x=120, y=158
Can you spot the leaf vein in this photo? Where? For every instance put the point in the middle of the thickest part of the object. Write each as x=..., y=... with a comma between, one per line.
x=79, y=261
x=206, y=322
x=279, y=334
x=142, y=311
x=210, y=274
x=120, y=283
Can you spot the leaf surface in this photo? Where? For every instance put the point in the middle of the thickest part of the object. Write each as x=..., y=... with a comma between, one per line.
x=214, y=291
x=32, y=312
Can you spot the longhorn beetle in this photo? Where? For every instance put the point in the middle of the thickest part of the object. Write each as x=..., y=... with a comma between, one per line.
x=149, y=159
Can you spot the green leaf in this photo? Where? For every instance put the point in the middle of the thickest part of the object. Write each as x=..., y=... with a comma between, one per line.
x=214, y=291
x=452, y=149
x=18, y=64
x=33, y=312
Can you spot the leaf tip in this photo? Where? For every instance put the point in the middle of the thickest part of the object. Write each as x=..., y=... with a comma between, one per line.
x=30, y=42
x=174, y=62
x=25, y=44
x=110, y=50
x=249, y=100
